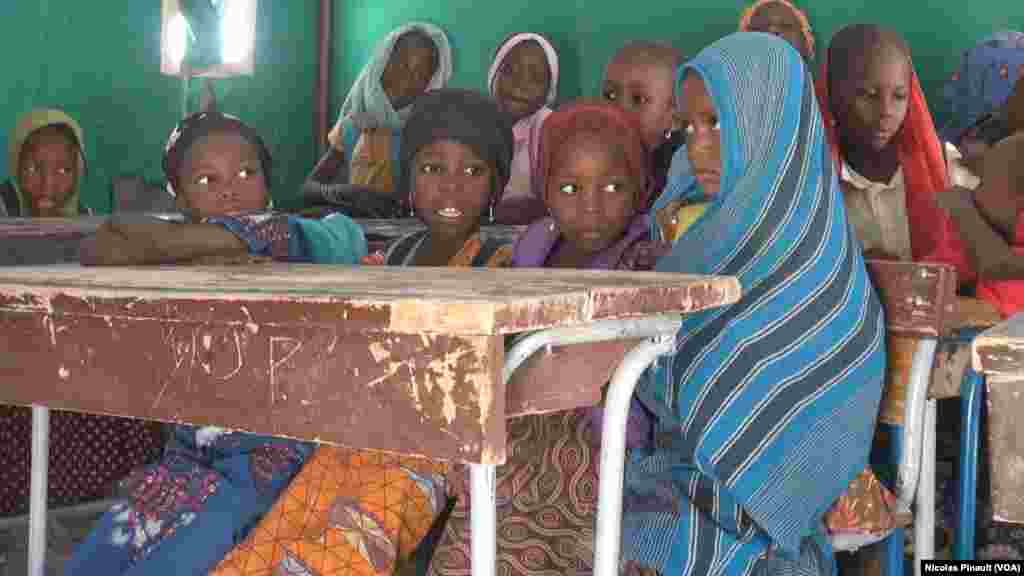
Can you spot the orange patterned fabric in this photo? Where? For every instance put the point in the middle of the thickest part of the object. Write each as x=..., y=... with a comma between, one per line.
x=867, y=507
x=347, y=512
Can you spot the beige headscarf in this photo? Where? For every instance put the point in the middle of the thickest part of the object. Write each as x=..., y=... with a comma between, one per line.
x=29, y=123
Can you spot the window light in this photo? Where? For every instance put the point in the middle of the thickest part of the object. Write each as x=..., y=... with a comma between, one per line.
x=237, y=33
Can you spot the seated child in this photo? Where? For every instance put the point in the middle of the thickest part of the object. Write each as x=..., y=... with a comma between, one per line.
x=374, y=509
x=783, y=19
x=641, y=78
x=976, y=98
x=889, y=158
x=991, y=225
x=593, y=167
x=46, y=154
x=524, y=80
x=412, y=59
x=88, y=453
x=184, y=513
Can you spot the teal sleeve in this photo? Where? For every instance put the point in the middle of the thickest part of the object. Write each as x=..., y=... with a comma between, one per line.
x=336, y=239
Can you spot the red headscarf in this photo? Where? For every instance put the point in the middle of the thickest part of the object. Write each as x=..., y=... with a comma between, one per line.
x=612, y=124
x=933, y=235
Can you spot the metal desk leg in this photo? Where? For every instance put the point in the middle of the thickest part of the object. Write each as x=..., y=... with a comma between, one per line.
x=924, y=514
x=37, y=496
x=483, y=520
x=608, y=540
x=967, y=493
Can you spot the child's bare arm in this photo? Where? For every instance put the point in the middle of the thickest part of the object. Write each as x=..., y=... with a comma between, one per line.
x=988, y=251
x=134, y=242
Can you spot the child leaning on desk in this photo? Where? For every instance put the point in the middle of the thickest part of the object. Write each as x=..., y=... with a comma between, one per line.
x=182, y=514
x=375, y=513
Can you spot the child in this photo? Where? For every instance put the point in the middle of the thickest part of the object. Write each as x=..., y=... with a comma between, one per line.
x=183, y=514
x=373, y=510
x=641, y=78
x=990, y=225
x=524, y=80
x=593, y=168
x=767, y=409
x=47, y=155
x=980, y=87
x=887, y=152
x=782, y=18
x=363, y=148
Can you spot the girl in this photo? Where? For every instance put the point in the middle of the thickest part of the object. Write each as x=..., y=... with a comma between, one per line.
x=373, y=509
x=524, y=80
x=767, y=409
x=412, y=59
x=640, y=78
x=47, y=155
x=887, y=153
x=978, y=91
x=183, y=514
x=593, y=168
x=782, y=18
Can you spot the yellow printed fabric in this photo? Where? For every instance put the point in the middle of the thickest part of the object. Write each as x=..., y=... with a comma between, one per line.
x=346, y=513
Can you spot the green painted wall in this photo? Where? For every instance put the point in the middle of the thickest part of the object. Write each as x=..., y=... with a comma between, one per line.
x=101, y=63
x=587, y=32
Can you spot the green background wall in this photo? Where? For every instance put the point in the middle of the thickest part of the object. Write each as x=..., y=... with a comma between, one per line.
x=587, y=32
x=100, y=61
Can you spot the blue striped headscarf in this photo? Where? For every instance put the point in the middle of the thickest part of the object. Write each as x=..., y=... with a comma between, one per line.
x=767, y=410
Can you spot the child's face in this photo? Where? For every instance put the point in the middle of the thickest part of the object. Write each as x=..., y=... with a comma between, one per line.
x=874, y=99
x=523, y=79
x=645, y=88
x=221, y=174
x=703, y=135
x=451, y=188
x=47, y=171
x=775, y=18
x=408, y=71
x=591, y=193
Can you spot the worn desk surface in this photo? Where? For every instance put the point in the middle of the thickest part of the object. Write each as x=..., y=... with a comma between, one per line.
x=1000, y=350
x=399, y=359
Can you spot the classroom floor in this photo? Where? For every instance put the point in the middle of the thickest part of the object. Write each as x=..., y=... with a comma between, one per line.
x=64, y=534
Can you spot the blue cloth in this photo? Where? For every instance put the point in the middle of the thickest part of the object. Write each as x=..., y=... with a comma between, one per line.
x=183, y=514
x=983, y=82
x=767, y=410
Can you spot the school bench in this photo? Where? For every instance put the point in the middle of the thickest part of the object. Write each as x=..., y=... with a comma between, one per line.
x=333, y=354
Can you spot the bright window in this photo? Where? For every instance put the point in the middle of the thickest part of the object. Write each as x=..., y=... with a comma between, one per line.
x=237, y=33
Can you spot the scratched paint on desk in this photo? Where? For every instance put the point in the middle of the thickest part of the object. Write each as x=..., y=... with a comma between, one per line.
x=414, y=394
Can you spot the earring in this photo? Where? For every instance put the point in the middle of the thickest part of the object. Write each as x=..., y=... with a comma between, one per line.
x=668, y=134
x=491, y=211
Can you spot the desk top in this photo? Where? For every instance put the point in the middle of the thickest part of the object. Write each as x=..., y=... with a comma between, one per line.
x=1000, y=350
x=393, y=299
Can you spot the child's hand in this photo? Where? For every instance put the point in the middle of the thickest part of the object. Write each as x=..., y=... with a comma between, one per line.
x=118, y=244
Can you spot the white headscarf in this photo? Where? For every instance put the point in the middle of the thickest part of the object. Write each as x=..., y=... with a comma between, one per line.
x=366, y=101
x=512, y=42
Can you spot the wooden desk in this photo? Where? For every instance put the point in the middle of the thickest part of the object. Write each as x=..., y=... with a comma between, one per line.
x=41, y=241
x=333, y=354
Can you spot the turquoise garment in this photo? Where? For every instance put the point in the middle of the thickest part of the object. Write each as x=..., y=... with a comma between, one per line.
x=183, y=514
x=767, y=409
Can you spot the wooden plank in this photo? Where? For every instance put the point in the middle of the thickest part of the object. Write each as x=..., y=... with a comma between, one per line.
x=1000, y=350
x=919, y=299
x=381, y=298
x=431, y=395
x=41, y=241
x=1006, y=437
x=397, y=359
